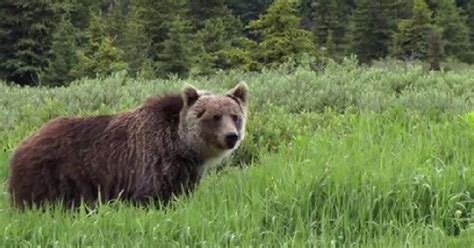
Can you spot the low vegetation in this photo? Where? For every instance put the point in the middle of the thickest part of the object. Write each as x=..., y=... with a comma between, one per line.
x=342, y=156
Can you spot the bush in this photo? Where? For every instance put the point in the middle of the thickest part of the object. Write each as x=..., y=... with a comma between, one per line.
x=295, y=93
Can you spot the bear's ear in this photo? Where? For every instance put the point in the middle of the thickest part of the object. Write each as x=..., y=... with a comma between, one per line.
x=239, y=92
x=190, y=95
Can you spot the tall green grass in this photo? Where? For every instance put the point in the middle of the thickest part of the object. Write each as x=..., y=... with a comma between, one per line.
x=350, y=156
x=374, y=182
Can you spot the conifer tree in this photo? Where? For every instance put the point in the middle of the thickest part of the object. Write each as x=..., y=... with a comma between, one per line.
x=410, y=41
x=202, y=10
x=108, y=59
x=157, y=17
x=435, y=48
x=63, y=52
x=331, y=16
x=455, y=31
x=137, y=45
x=220, y=40
x=328, y=15
x=372, y=23
x=116, y=20
x=99, y=56
x=176, y=56
x=248, y=10
x=25, y=39
x=281, y=36
x=329, y=45
x=470, y=24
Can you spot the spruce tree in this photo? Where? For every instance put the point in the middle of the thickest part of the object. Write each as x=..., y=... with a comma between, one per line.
x=157, y=16
x=202, y=10
x=410, y=41
x=248, y=10
x=63, y=54
x=371, y=27
x=281, y=36
x=137, y=44
x=435, y=48
x=9, y=34
x=176, y=56
x=330, y=16
x=220, y=41
x=25, y=37
x=329, y=45
x=98, y=57
x=455, y=31
x=108, y=59
x=470, y=24
x=116, y=20
x=80, y=11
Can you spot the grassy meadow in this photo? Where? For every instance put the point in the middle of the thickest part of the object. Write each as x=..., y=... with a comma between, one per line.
x=347, y=156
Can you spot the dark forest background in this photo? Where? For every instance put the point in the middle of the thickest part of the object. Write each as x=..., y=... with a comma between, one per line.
x=53, y=42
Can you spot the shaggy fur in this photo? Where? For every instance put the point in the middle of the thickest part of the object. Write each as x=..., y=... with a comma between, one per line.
x=152, y=153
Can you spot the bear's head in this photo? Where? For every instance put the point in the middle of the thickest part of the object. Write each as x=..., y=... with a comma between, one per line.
x=213, y=125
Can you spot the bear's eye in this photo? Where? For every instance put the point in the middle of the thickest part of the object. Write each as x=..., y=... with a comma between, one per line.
x=235, y=118
x=216, y=117
x=201, y=113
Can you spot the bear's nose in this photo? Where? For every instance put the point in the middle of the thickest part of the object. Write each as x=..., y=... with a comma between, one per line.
x=231, y=139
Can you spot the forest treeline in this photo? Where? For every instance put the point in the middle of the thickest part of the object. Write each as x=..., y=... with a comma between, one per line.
x=53, y=42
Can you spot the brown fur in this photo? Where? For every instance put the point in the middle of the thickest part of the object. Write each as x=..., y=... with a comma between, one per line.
x=151, y=153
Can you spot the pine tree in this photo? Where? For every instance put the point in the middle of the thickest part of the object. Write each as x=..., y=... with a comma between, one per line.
x=326, y=17
x=9, y=34
x=108, y=59
x=25, y=37
x=329, y=45
x=281, y=36
x=157, y=16
x=137, y=45
x=220, y=40
x=176, y=57
x=116, y=20
x=410, y=41
x=305, y=10
x=455, y=31
x=470, y=23
x=248, y=10
x=330, y=16
x=80, y=11
x=371, y=27
x=98, y=57
x=202, y=10
x=63, y=54
x=436, y=48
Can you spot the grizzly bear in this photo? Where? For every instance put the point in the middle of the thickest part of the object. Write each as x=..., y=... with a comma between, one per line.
x=153, y=153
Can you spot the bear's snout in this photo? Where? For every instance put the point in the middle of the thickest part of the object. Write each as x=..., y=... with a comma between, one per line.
x=231, y=139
